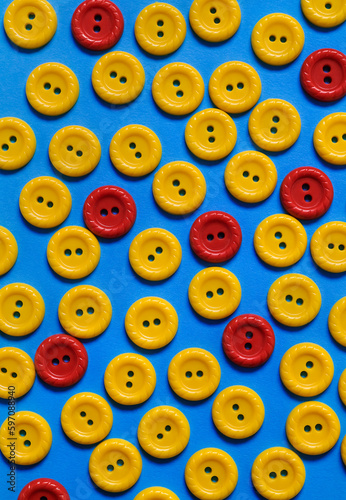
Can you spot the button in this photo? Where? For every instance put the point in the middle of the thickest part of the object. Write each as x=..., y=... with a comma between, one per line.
x=73, y=252
x=337, y=321
x=40, y=488
x=324, y=14
x=151, y=323
x=248, y=340
x=306, y=193
x=214, y=293
x=86, y=418
x=210, y=134
x=155, y=254
x=330, y=138
x=343, y=450
x=109, y=212
x=194, y=374
x=130, y=379
x=280, y=240
x=52, y=89
x=8, y=250
x=274, y=125
x=18, y=143
x=215, y=23
x=17, y=372
x=178, y=88
x=342, y=387
x=61, y=360
x=328, y=247
x=156, y=493
x=163, y=432
x=294, y=300
x=179, y=188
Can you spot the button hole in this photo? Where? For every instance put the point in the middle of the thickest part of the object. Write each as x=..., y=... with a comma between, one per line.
x=79, y=251
x=182, y=192
x=335, y=139
x=240, y=85
x=160, y=34
x=235, y=407
x=110, y=468
x=276, y=119
x=69, y=148
x=289, y=298
x=318, y=427
x=326, y=68
x=16, y=314
x=210, y=128
x=328, y=6
x=129, y=384
x=123, y=79
x=57, y=91
x=157, y=321
x=305, y=187
x=327, y=80
x=14, y=375
x=210, y=237
x=283, y=39
x=138, y=155
x=98, y=18
x=176, y=83
x=273, y=130
x=341, y=247
x=82, y=414
x=79, y=312
x=104, y=212
x=146, y=324
x=213, y=10
x=28, y=26
x=229, y=88
x=90, y=422
x=19, y=303
x=120, y=462
x=199, y=373
x=4, y=370
x=22, y=433
x=160, y=23
x=303, y=374
x=272, y=475
x=160, y=436
x=158, y=250
x=5, y=147
x=220, y=291
x=278, y=235
x=90, y=310
x=27, y=443
x=246, y=173
x=115, y=210
x=249, y=335
x=13, y=139
x=151, y=258
x=130, y=373
x=217, y=20
x=55, y=361
x=40, y=199
x=307, y=428
x=299, y=302
x=331, y=246
x=188, y=374
x=47, y=86
x=248, y=346
x=176, y=183
x=67, y=252
x=66, y=359
x=113, y=74
x=211, y=139
x=50, y=204
x=283, y=473
x=209, y=294
x=97, y=29
x=79, y=153
x=207, y=470
x=309, y=364
x=272, y=38
x=214, y=479
x=31, y=16
x=240, y=417
x=168, y=428
x=255, y=178
x=221, y=235
x=282, y=245
x=180, y=93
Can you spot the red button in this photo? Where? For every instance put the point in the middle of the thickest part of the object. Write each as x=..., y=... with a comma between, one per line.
x=97, y=24
x=109, y=212
x=306, y=193
x=43, y=489
x=215, y=236
x=248, y=340
x=323, y=75
x=61, y=360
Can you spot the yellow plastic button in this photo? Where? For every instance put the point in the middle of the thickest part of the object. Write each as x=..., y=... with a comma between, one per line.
x=18, y=143
x=330, y=138
x=178, y=88
x=342, y=387
x=130, y=379
x=337, y=321
x=86, y=418
x=8, y=250
x=274, y=125
x=52, y=89
x=238, y=412
x=294, y=300
x=324, y=13
x=215, y=20
x=313, y=428
x=328, y=246
x=179, y=187
x=194, y=374
x=156, y=493
x=17, y=372
x=85, y=311
x=343, y=450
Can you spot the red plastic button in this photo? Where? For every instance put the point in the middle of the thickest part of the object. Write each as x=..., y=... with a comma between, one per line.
x=97, y=24
x=109, y=212
x=248, y=340
x=306, y=193
x=43, y=488
x=61, y=360
x=215, y=236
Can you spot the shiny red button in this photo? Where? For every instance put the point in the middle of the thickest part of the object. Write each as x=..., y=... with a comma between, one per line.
x=306, y=193
x=248, y=340
x=97, y=24
x=43, y=489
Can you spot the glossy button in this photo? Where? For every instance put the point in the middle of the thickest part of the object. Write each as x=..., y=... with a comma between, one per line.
x=323, y=13
x=17, y=372
x=328, y=247
x=343, y=450
x=43, y=487
x=337, y=321
x=342, y=387
x=330, y=138
x=156, y=493
x=215, y=20
x=8, y=250
x=18, y=143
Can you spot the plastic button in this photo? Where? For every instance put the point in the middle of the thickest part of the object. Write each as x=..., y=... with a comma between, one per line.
x=8, y=250
x=17, y=372
x=43, y=487
x=337, y=321
x=323, y=13
x=343, y=450
x=18, y=143
x=215, y=21
x=330, y=138
x=328, y=247
x=342, y=387
x=156, y=493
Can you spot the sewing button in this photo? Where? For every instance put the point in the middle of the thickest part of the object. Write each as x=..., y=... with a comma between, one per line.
x=343, y=450
x=43, y=487
x=337, y=321
x=328, y=247
x=18, y=143
x=215, y=22
x=323, y=13
x=156, y=493
x=330, y=138
x=17, y=371
x=342, y=387
x=8, y=250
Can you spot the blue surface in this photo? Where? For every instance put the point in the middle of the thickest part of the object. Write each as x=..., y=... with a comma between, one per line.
x=67, y=462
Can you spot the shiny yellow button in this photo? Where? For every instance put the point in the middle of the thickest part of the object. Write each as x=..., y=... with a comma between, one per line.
x=330, y=138
x=8, y=250
x=86, y=418
x=156, y=493
x=294, y=300
x=274, y=125
x=215, y=20
x=74, y=151
x=194, y=374
x=31, y=436
x=151, y=323
x=343, y=450
x=17, y=372
x=328, y=247
x=52, y=89
x=179, y=188
x=325, y=14
x=342, y=387
x=18, y=143
x=337, y=321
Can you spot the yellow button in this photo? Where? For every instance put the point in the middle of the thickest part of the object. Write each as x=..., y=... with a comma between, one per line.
x=214, y=293
x=215, y=20
x=194, y=374
x=52, y=89
x=156, y=493
x=151, y=323
x=130, y=379
x=178, y=88
x=74, y=151
x=179, y=188
x=330, y=138
x=342, y=387
x=86, y=418
x=312, y=428
x=18, y=143
x=118, y=77
x=306, y=369
x=21, y=309
x=31, y=436
x=17, y=372
x=343, y=450
x=135, y=150
x=280, y=240
x=30, y=24
x=85, y=311
x=337, y=321
x=328, y=246
x=294, y=300
x=8, y=250
x=73, y=252
x=274, y=125
x=238, y=412
x=324, y=13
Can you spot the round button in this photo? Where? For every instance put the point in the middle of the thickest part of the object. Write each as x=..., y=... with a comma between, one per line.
x=163, y=432
x=248, y=340
x=18, y=143
x=342, y=387
x=97, y=24
x=43, y=487
x=214, y=293
x=86, y=418
x=151, y=323
x=61, y=360
x=118, y=77
x=8, y=250
x=323, y=13
x=194, y=374
x=130, y=379
x=52, y=89
x=45, y=202
x=215, y=20
x=156, y=493
x=210, y=134
x=73, y=252
x=109, y=212
x=179, y=188
x=306, y=193
x=343, y=450
x=337, y=321
x=238, y=412
x=294, y=300
x=274, y=125
x=280, y=240
x=17, y=372
x=330, y=138
x=178, y=88
x=328, y=247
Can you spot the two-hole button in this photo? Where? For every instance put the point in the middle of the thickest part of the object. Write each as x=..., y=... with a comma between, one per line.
x=328, y=245
x=16, y=371
x=215, y=21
